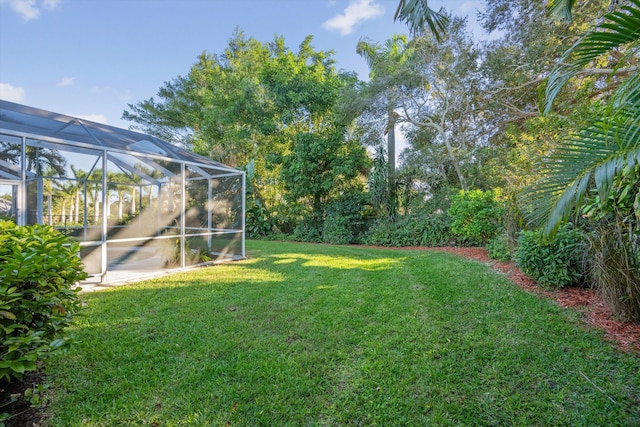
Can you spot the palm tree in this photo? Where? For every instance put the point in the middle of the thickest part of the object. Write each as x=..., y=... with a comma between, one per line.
x=606, y=156
x=385, y=64
x=65, y=190
x=40, y=160
x=598, y=154
x=93, y=184
x=47, y=187
x=115, y=181
x=80, y=177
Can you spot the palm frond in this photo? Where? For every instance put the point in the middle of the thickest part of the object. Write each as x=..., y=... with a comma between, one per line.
x=417, y=15
x=618, y=28
x=369, y=51
x=626, y=101
x=396, y=44
x=594, y=156
x=561, y=8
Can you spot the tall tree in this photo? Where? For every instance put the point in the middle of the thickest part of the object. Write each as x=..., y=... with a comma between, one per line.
x=514, y=69
x=602, y=151
x=246, y=108
x=444, y=103
x=388, y=75
x=517, y=63
x=322, y=165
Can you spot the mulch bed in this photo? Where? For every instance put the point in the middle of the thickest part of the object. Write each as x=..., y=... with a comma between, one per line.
x=596, y=312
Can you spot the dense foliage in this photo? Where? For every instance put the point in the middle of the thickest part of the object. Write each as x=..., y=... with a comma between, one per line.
x=271, y=112
x=346, y=220
x=419, y=228
x=38, y=267
x=476, y=216
x=553, y=261
x=499, y=248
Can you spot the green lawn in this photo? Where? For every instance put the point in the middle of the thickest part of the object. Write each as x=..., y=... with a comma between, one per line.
x=310, y=335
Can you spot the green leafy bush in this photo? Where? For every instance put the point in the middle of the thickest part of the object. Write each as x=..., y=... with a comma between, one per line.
x=258, y=221
x=476, y=216
x=498, y=248
x=38, y=266
x=417, y=229
x=553, y=261
x=309, y=230
x=345, y=222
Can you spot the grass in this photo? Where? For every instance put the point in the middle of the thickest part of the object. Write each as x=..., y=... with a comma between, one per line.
x=310, y=335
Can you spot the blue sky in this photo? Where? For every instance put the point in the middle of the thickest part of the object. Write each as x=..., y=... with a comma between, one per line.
x=90, y=58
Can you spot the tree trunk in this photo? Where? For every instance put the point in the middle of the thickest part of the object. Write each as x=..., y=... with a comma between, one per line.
x=96, y=207
x=456, y=164
x=63, y=216
x=133, y=201
x=391, y=160
x=49, y=209
x=77, y=212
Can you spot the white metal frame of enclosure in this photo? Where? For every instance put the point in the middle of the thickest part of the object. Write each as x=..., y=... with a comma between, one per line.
x=18, y=176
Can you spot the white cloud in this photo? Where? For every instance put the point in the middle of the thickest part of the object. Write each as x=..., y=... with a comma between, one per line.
x=12, y=93
x=66, y=81
x=467, y=6
x=100, y=118
x=30, y=9
x=356, y=12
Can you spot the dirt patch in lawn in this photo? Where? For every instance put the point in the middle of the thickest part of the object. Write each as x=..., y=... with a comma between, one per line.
x=589, y=302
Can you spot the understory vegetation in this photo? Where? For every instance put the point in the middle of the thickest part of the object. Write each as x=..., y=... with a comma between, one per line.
x=302, y=334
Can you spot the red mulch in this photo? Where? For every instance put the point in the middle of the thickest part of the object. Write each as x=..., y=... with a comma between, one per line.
x=596, y=312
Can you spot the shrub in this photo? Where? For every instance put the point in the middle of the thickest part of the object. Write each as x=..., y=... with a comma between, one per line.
x=434, y=230
x=337, y=230
x=379, y=233
x=258, y=221
x=553, y=261
x=386, y=232
x=476, y=216
x=416, y=229
x=345, y=221
x=38, y=266
x=498, y=248
x=308, y=230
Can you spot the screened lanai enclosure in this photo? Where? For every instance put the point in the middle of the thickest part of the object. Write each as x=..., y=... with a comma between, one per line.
x=137, y=205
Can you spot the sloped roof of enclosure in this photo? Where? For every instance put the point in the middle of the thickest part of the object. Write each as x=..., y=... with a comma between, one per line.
x=36, y=123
